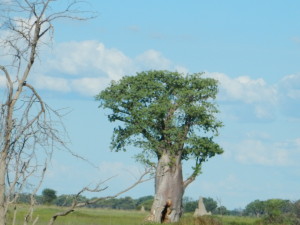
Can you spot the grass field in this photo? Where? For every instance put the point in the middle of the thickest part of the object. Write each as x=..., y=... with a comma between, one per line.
x=86, y=216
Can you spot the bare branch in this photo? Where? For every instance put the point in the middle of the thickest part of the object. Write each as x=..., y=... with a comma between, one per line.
x=29, y=215
x=10, y=83
x=76, y=204
x=27, y=123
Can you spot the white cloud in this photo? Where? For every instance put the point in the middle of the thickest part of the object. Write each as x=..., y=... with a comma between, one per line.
x=92, y=66
x=90, y=85
x=290, y=86
x=90, y=58
x=256, y=152
x=153, y=59
x=289, y=95
x=245, y=89
x=262, y=152
x=261, y=135
x=181, y=69
x=264, y=111
x=52, y=83
x=263, y=101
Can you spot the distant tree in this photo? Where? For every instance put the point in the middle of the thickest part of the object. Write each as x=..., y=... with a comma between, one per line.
x=221, y=210
x=297, y=208
x=190, y=206
x=277, y=209
x=255, y=208
x=67, y=200
x=126, y=203
x=172, y=117
x=273, y=209
x=24, y=198
x=236, y=212
x=63, y=200
x=187, y=199
x=145, y=201
x=210, y=204
x=48, y=196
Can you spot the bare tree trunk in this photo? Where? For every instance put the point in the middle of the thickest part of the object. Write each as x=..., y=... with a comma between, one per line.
x=169, y=189
x=23, y=129
x=2, y=190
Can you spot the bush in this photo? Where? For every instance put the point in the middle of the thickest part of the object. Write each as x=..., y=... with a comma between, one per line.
x=279, y=219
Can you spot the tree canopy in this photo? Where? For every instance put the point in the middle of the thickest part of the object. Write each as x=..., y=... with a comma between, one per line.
x=163, y=110
x=48, y=196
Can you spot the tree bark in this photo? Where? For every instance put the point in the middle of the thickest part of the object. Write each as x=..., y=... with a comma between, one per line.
x=2, y=189
x=169, y=189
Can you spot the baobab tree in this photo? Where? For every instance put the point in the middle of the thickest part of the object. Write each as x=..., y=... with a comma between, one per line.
x=29, y=128
x=172, y=118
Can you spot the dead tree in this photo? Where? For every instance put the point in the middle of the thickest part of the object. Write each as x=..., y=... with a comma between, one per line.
x=29, y=128
x=77, y=204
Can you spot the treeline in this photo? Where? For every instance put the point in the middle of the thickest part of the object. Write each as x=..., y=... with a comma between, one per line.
x=270, y=210
x=49, y=197
x=211, y=205
x=275, y=211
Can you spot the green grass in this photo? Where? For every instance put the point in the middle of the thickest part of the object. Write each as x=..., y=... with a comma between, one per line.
x=84, y=216
x=238, y=220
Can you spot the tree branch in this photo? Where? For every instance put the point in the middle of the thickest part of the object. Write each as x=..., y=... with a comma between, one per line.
x=76, y=204
x=10, y=83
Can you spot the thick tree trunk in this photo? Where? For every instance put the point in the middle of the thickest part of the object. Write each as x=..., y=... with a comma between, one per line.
x=169, y=189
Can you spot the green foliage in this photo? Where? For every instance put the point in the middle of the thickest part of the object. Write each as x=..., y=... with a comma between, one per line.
x=126, y=203
x=67, y=200
x=274, y=211
x=190, y=205
x=146, y=201
x=277, y=212
x=210, y=204
x=221, y=210
x=273, y=206
x=64, y=200
x=48, y=196
x=162, y=110
x=24, y=198
x=255, y=208
x=297, y=208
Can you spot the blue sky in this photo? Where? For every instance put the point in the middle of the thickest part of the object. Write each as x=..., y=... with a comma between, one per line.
x=251, y=47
